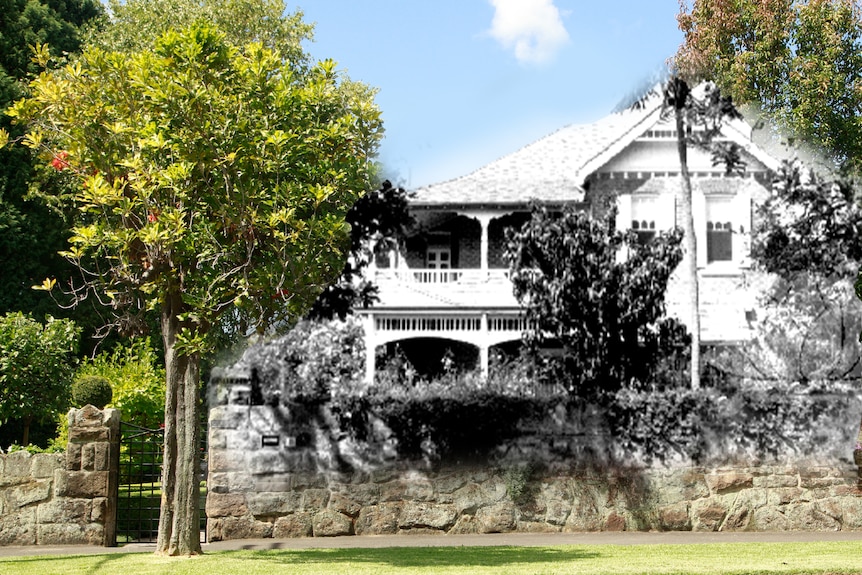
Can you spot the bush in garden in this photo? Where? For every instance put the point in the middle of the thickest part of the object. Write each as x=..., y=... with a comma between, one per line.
x=455, y=417
x=751, y=420
x=311, y=363
x=137, y=379
x=92, y=390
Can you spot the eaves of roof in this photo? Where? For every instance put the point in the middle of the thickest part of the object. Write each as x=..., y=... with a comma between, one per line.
x=551, y=170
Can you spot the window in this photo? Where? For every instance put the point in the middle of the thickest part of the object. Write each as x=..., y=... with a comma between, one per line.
x=438, y=258
x=719, y=242
x=644, y=229
x=645, y=211
x=719, y=229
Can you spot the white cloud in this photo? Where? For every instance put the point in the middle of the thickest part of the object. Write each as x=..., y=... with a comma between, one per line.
x=533, y=28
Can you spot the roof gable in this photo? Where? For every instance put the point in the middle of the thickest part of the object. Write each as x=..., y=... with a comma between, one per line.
x=554, y=168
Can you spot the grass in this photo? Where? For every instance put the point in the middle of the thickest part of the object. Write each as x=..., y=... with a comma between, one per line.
x=708, y=559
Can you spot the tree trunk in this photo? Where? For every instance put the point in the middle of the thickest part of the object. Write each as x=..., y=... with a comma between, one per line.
x=689, y=260
x=179, y=523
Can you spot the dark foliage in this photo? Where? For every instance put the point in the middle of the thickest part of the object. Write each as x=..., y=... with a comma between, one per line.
x=596, y=292
x=809, y=225
x=378, y=217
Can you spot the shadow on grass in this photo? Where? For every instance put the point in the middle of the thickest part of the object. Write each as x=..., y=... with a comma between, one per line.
x=420, y=556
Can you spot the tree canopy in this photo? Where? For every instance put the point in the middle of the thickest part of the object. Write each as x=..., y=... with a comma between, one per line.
x=31, y=233
x=36, y=367
x=799, y=61
x=211, y=178
x=604, y=308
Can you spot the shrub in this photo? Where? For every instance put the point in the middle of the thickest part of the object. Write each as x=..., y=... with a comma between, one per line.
x=455, y=417
x=137, y=380
x=92, y=390
x=751, y=420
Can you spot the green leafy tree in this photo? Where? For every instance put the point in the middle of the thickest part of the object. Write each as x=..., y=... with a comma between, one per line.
x=606, y=310
x=799, y=61
x=133, y=24
x=213, y=179
x=36, y=367
x=32, y=233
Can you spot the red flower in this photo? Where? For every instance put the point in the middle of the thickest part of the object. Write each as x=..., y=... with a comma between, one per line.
x=152, y=218
x=59, y=162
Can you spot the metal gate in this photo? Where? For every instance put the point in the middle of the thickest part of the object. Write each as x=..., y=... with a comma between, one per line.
x=139, y=497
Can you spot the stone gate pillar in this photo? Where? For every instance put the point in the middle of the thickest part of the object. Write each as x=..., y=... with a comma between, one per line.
x=92, y=465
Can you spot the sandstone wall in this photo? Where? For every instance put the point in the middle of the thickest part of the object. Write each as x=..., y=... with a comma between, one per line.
x=263, y=487
x=64, y=498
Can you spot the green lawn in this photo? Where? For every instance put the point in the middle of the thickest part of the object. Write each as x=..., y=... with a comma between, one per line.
x=726, y=558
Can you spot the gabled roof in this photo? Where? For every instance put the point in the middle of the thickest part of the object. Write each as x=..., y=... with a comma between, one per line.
x=554, y=168
x=551, y=169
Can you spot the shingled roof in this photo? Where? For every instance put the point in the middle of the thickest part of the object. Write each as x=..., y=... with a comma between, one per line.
x=550, y=170
x=554, y=168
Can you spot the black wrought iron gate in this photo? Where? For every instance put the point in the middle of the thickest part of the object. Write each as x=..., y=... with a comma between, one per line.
x=139, y=498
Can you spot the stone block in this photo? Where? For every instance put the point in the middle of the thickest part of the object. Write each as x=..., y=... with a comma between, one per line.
x=769, y=519
x=70, y=534
x=776, y=481
x=707, y=514
x=819, y=482
x=677, y=485
x=63, y=510
x=73, y=456
x=236, y=481
x=365, y=494
x=18, y=528
x=229, y=417
x=344, y=505
x=102, y=457
x=274, y=503
x=28, y=493
x=614, y=522
x=330, y=523
x=88, y=434
x=785, y=495
x=469, y=498
x=228, y=528
x=220, y=460
x=271, y=461
x=226, y=505
x=674, y=517
x=465, y=525
x=556, y=502
x=295, y=525
x=44, y=464
x=725, y=482
x=18, y=465
x=393, y=491
x=87, y=416
x=811, y=517
x=84, y=484
x=450, y=483
x=314, y=499
x=88, y=459
x=535, y=527
x=379, y=519
x=497, y=518
x=419, y=514
x=851, y=508
x=99, y=509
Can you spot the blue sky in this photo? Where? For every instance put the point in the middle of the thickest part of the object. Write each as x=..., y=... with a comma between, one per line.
x=464, y=82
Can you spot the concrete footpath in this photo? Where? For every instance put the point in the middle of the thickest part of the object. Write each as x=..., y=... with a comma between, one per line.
x=493, y=539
